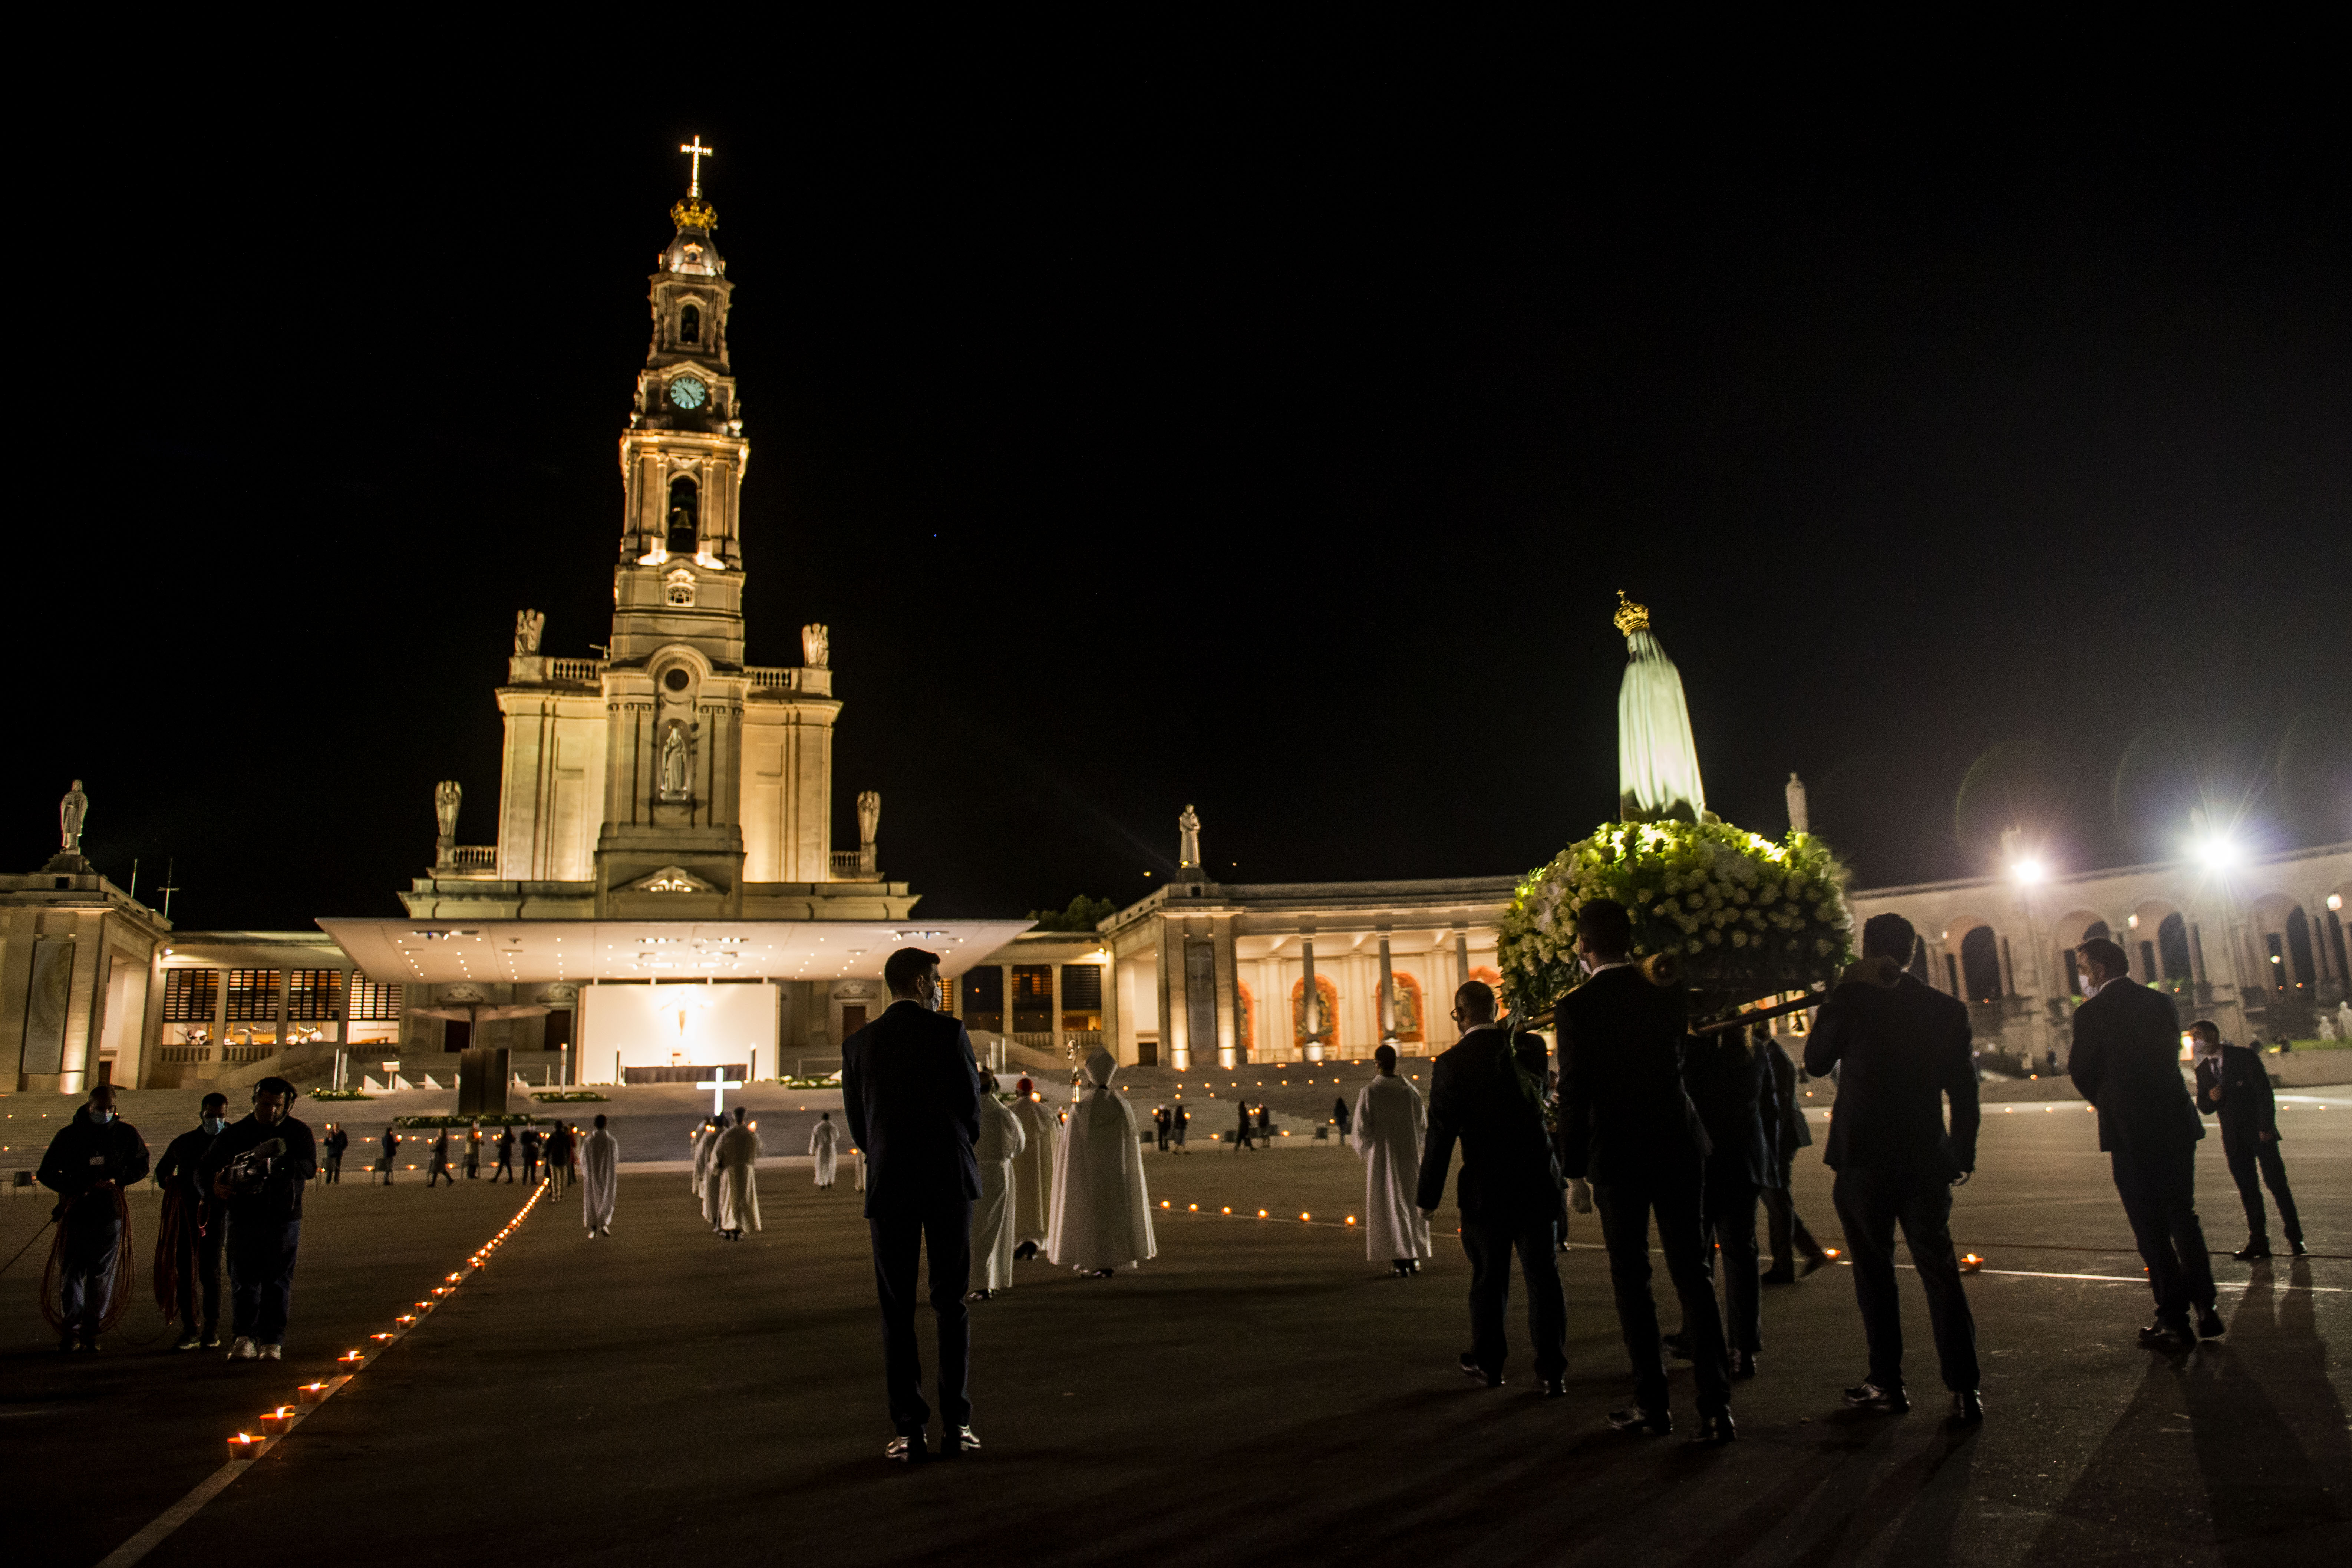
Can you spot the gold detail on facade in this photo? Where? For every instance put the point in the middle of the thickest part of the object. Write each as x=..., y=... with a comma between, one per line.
x=1631, y=617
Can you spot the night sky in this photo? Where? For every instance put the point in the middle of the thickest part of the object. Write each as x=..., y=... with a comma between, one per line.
x=1274, y=443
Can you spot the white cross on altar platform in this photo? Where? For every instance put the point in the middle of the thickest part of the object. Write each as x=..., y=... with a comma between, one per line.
x=719, y=1084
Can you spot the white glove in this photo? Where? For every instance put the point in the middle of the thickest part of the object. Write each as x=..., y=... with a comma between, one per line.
x=1580, y=1194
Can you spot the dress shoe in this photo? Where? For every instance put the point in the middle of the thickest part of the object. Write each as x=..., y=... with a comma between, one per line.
x=2253, y=1249
x=189, y=1340
x=1714, y=1431
x=1477, y=1373
x=958, y=1440
x=1777, y=1275
x=906, y=1449
x=2300, y=1250
x=1554, y=1387
x=1968, y=1407
x=1676, y=1344
x=2209, y=1325
x=2165, y=1336
x=1637, y=1420
x=1743, y=1363
x=1878, y=1401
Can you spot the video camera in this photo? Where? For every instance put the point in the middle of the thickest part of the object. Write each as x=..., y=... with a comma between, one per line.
x=247, y=1171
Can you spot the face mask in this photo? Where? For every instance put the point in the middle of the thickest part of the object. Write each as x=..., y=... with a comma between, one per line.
x=101, y=1117
x=214, y=1124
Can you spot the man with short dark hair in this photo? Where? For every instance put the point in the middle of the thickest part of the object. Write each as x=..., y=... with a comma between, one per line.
x=1900, y=1049
x=910, y=1092
x=192, y=1226
x=2232, y=1088
x=1508, y=1194
x=334, y=1143
x=259, y=1168
x=1631, y=1146
x=93, y=1159
x=2126, y=1060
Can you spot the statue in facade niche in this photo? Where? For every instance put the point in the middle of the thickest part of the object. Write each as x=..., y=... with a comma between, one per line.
x=869, y=815
x=1188, y=841
x=446, y=795
x=675, y=762
x=528, y=625
x=817, y=646
x=73, y=810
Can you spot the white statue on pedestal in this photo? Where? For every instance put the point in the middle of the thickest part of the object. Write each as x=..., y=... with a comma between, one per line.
x=817, y=646
x=674, y=762
x=1799, y=819
x=73, y=809
x=527, y=626
x=446, y=794
x=1188, y=841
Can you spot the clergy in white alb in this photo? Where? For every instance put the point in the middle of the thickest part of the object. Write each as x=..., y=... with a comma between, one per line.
x=1102, y=1211
x=734, y=1181
x=824, y=1144
x=1033, y=1171
x=705, y=1144
x=599, y=1179
x=1389, y=1121
x=1000, y=1143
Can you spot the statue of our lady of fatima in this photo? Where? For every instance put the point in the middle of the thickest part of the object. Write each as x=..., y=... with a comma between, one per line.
x=1657, y=761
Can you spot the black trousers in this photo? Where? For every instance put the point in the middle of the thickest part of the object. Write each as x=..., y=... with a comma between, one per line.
x=1870, y=1204
x=1625, y=1209
x=506, y=1164
x=1731, y=1215
x=2252, y=1163
x=439, y=1168
x=1490, y=1245
x=900, y=1242
x=2158, y=1187
x=198, y=1265
x=261, y=1276
x=1784, y=1226
x=335, y=1166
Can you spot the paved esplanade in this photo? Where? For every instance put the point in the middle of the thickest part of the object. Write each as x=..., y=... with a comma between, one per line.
x=1256, y=1393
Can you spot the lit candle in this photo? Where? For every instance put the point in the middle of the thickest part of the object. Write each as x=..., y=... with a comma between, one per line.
x=244, y=1445
x=276, y=1422
x=1970, y=1263
x=351, y=1358
x=312, y=1393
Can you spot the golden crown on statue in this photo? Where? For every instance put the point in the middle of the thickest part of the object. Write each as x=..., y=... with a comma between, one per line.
x=695, y=214
x=1631, y=617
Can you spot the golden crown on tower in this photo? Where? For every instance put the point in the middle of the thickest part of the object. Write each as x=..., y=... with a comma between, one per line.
x=1631, y=617
x=695, y=213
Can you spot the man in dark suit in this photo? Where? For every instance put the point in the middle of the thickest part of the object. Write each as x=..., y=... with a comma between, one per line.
x=910, y=1091
x=1730, y=1081
x=1630, y=1143
x=2232, y=1088
x=1508, y=1194
x=2127, y=1062
x=1901, y=1049
x=1785, y=1226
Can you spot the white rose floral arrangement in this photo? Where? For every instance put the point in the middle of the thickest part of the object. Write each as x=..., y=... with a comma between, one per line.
x=1745, y=915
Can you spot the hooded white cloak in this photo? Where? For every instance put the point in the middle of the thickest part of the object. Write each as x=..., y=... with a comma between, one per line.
x=1001, y=1142
x=734, y=1183
x=1102, y=1210
x=706, y=1143
x=1390, y=1122
x=825, y=1145
x=1033, y=1171
x=600, y=1178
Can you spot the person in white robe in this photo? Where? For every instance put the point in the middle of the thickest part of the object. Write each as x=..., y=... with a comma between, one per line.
x=1102, y=1210
x=1033, y=1171
x=706, y=1143
x=599, y=1179
x=824, y=1142
x=734, y=1180
x=1390, y=1122
x=1000, y=1143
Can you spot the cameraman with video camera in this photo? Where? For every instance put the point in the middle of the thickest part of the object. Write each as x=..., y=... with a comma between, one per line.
x=259, y=1168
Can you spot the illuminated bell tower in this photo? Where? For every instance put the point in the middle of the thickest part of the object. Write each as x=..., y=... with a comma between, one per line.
x=674, y=685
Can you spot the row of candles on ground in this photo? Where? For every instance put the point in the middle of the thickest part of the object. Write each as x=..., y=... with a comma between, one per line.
x=1970, y=1262
x=277, y=1422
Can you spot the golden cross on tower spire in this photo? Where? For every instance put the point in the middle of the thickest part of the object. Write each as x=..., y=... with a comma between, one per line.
x=698, y=153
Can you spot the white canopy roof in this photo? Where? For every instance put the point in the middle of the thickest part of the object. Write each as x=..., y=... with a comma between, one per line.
x=498, y=952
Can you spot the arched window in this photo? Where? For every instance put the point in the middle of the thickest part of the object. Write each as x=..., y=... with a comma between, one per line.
x=685, y=516
x=2172, y=948
x=1980, y=965
x=690, y=324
